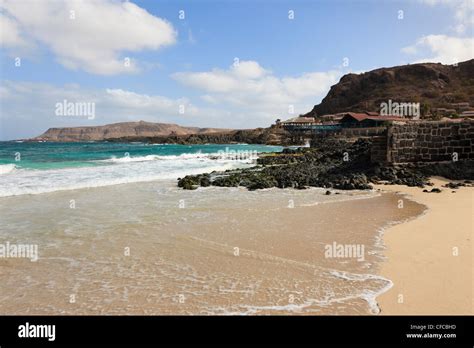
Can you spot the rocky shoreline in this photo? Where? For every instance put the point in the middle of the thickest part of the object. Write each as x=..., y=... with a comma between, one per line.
x=264, y=136
x=329, y=163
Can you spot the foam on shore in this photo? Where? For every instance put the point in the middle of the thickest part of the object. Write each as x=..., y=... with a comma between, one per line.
x=207, y=251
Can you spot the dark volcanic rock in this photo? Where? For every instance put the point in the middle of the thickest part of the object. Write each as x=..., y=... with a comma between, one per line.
x=269, y=136
x=329, y=163
x=454, y=185
x=192, y=182
x=453, y=170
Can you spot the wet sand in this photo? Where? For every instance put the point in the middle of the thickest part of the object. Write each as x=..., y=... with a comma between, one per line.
x=151, y=248
x=421, y=254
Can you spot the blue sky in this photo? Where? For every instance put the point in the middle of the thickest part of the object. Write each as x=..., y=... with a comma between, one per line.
x=236, y=64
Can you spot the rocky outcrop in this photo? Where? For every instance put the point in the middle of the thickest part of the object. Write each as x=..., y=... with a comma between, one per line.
x=432, y=85
x=267, y=136
x=331, y=163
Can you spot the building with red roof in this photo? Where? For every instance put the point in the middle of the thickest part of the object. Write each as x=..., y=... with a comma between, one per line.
x=368, y=119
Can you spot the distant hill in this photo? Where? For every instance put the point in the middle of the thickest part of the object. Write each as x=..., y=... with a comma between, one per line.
x=113, y=131
x=168, y=133
x=432, y=85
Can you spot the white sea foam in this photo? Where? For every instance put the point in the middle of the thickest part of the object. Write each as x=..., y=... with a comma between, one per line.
x=355, y=277
x=7, y=168
x=379, y=241
x=348, y=197
x=184, y=156
x=42, y=181
x=368, y=295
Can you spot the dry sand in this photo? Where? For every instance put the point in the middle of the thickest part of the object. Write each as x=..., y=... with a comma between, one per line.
x=428, y=277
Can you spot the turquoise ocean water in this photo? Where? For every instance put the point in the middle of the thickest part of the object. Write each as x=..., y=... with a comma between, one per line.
x=29, y=168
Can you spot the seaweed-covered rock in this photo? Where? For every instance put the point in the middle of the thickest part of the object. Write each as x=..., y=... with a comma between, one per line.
x=232, y=180
x=192, y=182
x=261, y=182
x=188, y=183
x=454, y=185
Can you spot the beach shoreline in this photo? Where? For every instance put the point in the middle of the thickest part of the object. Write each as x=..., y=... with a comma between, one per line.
x=224, y=249
x=429, y=258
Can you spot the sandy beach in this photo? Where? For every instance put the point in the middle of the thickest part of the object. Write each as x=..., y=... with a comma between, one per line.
x=210, y=251
x=429, y=259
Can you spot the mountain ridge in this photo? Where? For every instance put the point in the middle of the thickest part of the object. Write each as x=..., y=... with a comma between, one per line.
x=433, y=85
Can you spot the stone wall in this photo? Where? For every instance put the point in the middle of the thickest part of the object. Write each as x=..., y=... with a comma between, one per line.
x=363, y=132
x=429, y=142
x=378, y=149
x=352, y=133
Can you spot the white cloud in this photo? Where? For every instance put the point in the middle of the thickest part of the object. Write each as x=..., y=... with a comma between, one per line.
x=463, y=12
x=10, y=33
x=248, y=70
x=447, y=49
x=257, y=92
x=443, y=49
x=146, y=105
x=90, y=35
x=413, y=49
x=215, y=81
x=111, y=105
x=247, y=96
